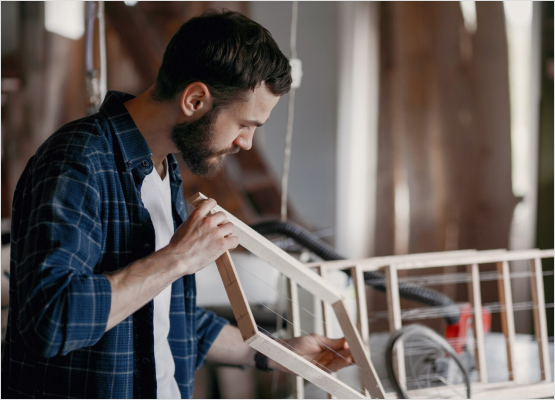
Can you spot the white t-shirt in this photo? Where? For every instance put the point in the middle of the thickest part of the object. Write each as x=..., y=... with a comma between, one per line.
x=156, y=196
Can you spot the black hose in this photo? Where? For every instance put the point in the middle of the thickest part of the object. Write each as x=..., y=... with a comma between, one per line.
x=376, y=280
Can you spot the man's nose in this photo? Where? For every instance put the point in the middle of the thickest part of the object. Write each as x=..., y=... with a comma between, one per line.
x=244, y=141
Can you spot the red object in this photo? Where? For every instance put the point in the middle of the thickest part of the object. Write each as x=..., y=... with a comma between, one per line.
x=456, y=333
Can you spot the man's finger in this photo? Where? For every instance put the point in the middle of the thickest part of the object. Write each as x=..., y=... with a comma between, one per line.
x=344, y=359
x=335, y=344
x=206, y=206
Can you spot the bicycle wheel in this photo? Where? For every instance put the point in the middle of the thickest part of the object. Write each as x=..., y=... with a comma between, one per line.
x=433, y=368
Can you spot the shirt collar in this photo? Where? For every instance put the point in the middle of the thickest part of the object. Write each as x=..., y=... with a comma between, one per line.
x=134, y=147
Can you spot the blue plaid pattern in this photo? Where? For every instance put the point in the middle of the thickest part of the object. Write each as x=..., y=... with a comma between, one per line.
x=77, y=214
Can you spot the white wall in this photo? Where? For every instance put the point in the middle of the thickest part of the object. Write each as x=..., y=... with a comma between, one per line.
x=312, y=181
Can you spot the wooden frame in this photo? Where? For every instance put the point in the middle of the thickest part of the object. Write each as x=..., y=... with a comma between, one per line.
x=313, y=283
x=471, y=259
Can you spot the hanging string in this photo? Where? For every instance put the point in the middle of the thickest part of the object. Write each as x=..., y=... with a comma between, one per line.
x=306, y=333
x=290, y=117
x=461, y=277
x=315, y=317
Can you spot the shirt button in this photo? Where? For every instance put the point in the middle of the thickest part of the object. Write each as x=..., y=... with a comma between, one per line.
x=147, y=245
x=145, y=163
x=146, y=360
x=139, y=194
x=129, y=163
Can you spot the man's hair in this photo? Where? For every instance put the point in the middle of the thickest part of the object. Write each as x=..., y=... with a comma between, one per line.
x=228, y=52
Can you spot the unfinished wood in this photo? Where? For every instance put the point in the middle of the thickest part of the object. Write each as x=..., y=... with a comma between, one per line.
x=540, y=324
x=358, y=351
x=382, y=261
x=237, y=298
x=295, y=330
x=302, y=367
x=279, y=259
x=327, y=311
x=327, y=320
x=234, y=290
x=362, y=311
x=395, y=322
x=507, y=317
x=481, y=257
x=475, y=297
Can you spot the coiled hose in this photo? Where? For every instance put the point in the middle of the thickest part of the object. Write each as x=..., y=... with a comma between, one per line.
x=376, y=280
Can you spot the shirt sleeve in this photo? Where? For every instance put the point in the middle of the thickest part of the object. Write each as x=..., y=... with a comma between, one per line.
x=209, y=326
x=63, y=304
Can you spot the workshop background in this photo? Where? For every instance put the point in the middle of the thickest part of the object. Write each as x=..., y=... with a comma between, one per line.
x=418, y=127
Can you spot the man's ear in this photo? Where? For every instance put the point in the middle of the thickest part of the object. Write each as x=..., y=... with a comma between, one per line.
x=196, y=99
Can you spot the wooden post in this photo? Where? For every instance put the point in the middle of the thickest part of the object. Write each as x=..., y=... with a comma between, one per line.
x=371, y=381
x=327, y=320
x=362, y=312
x=395, y=322
x=295, y=329
x=507, y=317
x=540, y=324
x=475, y=297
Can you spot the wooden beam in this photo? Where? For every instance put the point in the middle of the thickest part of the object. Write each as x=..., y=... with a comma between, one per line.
x=327, y=320
x=540, y=324
x=480, y=257
x=475, y=297
x=362, y=311
x=507, y=316
x=395, y=321
x=358, y=351
x=295, y=330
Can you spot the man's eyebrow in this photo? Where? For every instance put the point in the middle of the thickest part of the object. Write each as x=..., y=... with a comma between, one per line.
x=252, y=122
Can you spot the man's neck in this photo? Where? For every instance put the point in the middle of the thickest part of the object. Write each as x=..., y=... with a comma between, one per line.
x=155, y=122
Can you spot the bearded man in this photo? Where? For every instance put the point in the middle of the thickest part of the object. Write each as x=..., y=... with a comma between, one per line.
x=102, y=284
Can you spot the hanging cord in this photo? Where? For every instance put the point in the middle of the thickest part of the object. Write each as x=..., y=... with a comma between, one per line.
x=295, y=64
x=102, y=48
x=96, y=85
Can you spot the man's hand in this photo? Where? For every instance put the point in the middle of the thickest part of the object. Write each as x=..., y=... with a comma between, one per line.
x=202, y=238
x=327, y=354
x=196, y=243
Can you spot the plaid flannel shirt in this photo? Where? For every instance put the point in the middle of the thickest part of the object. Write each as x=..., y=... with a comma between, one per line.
x=77, y=214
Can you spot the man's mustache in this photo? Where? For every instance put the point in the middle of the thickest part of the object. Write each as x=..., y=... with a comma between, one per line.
x=233, y=150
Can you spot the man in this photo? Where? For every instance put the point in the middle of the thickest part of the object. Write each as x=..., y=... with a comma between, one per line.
x=103, y=259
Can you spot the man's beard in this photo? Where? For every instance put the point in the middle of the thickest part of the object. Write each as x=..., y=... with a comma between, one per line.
x=195, y=142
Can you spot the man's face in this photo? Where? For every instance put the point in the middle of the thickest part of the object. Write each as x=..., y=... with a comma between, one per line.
x=204, y=143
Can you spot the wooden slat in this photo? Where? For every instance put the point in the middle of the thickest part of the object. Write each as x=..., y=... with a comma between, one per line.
x=302, y=367
x=295, y=329
x=507, y=317
x=362, y=311
x=387, y=260
x=327, y=310
x=475, y=297
x=237, y=298
x=370, y=377
x=327, y=314
x=540, y=324
x=395, y=322
x=279, y=259
x=481, y=257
